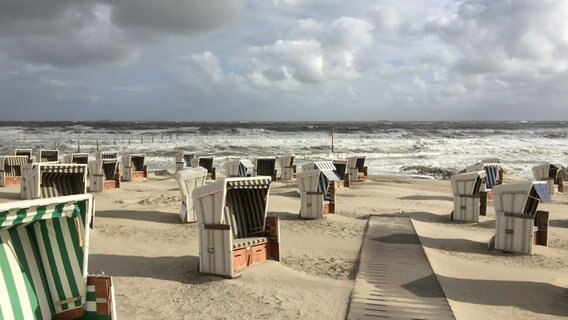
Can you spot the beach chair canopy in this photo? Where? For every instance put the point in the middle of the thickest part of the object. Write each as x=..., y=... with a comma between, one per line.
x=43, y=258
x=265, y=166
x=546, y=171
x=340, y=167
x=136, y=160
x=78, y=157
x=106, y=167
x=470, y=183
x=520, y=197
x=316, y=181
x=206, y=162
x=107, y=155
x=239, y=168
x=11, y=165
x=46, y=180
x=23, y=152
x=239, y=202
x=47, y=156
x=356, y=162
x=491, y=171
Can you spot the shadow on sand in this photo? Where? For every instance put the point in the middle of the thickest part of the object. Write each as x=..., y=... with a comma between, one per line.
x=149, y=216
x=435, y=198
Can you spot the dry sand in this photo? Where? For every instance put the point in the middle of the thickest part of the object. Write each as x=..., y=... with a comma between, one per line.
x=153, y=257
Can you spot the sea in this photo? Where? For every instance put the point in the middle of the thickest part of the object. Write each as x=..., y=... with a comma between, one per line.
x=401, y=149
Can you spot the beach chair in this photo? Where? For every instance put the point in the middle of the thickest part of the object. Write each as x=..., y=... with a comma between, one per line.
x=189, y=179
x=48, y=180
x=24, y=152
x=341, y=170
x=317, y=193
x=239, y=168
x=552, y=174
x=356, y=169
x=183, y=160
x=518, y=224
x=265, y=166
x=326, y=166
x=102, y=155
x=44, y=251
x=207, y=163
x=493, y=171
x=104, y=175
x=234, y=231
x=47, y=156
x=470, y=196
x=11, y=169
x=77, y=157
x=287, y=167
x=134, y=167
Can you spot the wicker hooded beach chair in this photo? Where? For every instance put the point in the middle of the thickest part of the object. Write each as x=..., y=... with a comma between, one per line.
x=183, y=160
x=77, y=157
x=287, y=167
x=207, y=163
x=11, y=169
x=239, y=168
x=552, y=174
x=517, y=219
x=134, y=167
x=188, y=180
x=265, y=166
x=234, y=230
x=493, y=171
x=47, y=156
x=317, y=193
x=356, y=169
x=470, y=196
x=44, y=251
x=24, y=152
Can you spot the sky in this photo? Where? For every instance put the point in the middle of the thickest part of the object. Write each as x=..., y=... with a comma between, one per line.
x=270, y=60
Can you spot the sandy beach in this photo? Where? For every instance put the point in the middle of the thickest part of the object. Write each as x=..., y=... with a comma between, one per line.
x=139, y=240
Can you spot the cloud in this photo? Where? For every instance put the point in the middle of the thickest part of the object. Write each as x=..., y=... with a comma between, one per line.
x=71, y=34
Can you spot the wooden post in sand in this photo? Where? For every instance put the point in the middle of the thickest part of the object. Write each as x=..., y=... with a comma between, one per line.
x=78, y=146
x=97, y=145
x=332, y=133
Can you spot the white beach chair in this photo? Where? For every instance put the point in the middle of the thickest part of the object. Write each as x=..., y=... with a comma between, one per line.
x=470, y=198
x=239, y=168
x=493, y=171
x=188, y=180
x=516, y=215
x=24, y=152
x=356, y=169
x=104, y=174
x=134, y=167
x=47, y=180
x=325, y=166
x=287, y=167
x=317, y=193
x=552, y=174
x=207, y=163
x=77, y=157
x=183, y=160
x=265, y=166
x=11, y=169
x=107, y=155
x=47, y=156
x=234, y=231
x=44, y=249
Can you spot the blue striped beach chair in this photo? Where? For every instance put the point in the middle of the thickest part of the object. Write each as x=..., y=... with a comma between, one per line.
x=134, y=167
x=470, y=196
x=493, y=171
x=239, y=168
x=287, y=167
x=234, y=230
x=47, y=180
x=44, y=261
x=11, y=169
x=552, y=174
x=188, y=180
x=265, y=166
x=183, y=160
x=326, y=167
x=518, y=223
x=47, y=156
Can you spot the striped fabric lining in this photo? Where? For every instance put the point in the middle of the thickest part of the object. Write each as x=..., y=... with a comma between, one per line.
x=23, y=152
x=137, y=162
x=42, y=260
x=80, y=158
x=360, y=164
x=12, y=165
x=249, y=207
x=245, y=168
x=187, y=157
x=108, y=155
x=61, y=184
x=48, y=155
x=492, y=174
x=265, y=167
x=324, y=165
x=109, y=168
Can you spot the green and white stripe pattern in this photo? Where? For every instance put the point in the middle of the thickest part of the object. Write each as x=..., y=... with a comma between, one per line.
x=43, y=256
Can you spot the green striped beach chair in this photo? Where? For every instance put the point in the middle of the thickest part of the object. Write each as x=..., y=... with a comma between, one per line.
x=234, y=231
x=44, y=258
x=11, y=169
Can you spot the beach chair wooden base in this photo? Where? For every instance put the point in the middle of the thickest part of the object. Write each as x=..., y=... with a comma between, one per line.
x=10, y=181
x=138, y=175
x=541, y=235
x=111, y=184
x=339, y=184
